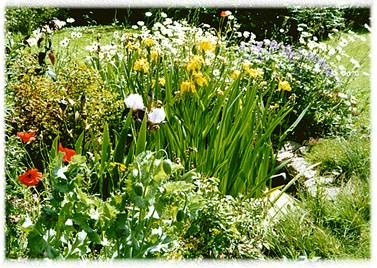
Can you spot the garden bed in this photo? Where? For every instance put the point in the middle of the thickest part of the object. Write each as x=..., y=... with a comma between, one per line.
x=165, y=139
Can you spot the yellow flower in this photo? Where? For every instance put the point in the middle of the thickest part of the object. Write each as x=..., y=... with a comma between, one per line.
x=284, y=85
x=206, y=45
x=154, y=55
x=141, y=65
x=148, y=42
x=254, y=72
x=187, y=86
x=235, y=74
x=194, y=64
x=122, y=167
x=200, y=79
x=250, y=71
x=245, y=65
x=161, y=81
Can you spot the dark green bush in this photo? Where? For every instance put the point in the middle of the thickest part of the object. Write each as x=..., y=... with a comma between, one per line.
x=25, y=20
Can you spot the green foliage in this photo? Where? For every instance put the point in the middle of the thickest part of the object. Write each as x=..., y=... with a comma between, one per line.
x=348, y=158
x=319, y=21
x=25, y=20
x=77, y=101
x=325, y=228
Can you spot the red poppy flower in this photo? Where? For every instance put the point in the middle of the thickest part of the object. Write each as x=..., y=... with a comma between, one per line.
x=68, y=153
x=26, y=136
x=31, y=177
x=225, y=13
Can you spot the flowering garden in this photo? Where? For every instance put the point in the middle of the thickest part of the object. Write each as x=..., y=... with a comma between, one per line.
x=159, y=138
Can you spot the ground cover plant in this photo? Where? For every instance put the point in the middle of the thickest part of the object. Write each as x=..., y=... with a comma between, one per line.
x=160, y=140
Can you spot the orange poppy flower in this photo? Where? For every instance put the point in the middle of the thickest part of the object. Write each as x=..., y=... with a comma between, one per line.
x=225, y=13
x=31, y=177
x=68, y=153
x=26, y=136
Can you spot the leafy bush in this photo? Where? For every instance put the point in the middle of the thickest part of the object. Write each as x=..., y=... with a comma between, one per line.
x=25, y=20
x=77, y=101
x=153, y=210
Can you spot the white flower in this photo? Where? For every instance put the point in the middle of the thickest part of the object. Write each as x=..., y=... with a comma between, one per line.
x=148, y=14
x=140, y=23
x=281, y=30
x=64, y=42
x=163, y=14
x=81, y=235
x=32, y=41
x=367, y=27
x=68, y=222
x=355, y=63
x=156, y=116
x=168, y=21
x=134, y=102
x=231, y=17
x=134, y=27
x=246, y=34
x=74, y=34
x=332, y=51
x=70, y=20
x=59, y=23
x=216, y=72
x=342, y=95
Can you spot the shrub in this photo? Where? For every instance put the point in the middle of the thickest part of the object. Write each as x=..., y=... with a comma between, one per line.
x=25, y=20
x=77, y=101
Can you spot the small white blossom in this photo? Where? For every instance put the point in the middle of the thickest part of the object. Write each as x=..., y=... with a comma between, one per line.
x=355, y=63
x=140, y=23
x=156, y=116
x=134, y=102
x=246, y=34
x=64, y=42
x=81, y=235
x=148, y=14
x=32, y=41
x=70, y=20
x=163, y=14
x=134, y=27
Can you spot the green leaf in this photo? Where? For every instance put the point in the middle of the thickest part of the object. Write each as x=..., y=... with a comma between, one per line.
x=105, y=155
x=141, y=140
x=121, y=143
x=78, y=144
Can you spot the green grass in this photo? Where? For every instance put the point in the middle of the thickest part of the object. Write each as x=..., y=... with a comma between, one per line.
x=338, y=228
x=103, y=35
x=326, y=229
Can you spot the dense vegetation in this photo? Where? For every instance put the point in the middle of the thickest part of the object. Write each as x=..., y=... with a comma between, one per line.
x=159, y=138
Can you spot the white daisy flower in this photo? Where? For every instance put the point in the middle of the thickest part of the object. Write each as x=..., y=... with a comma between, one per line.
x=64, y=42
x=163, y=14
x=140, y=23
x=148, y=14
x=70, y=20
